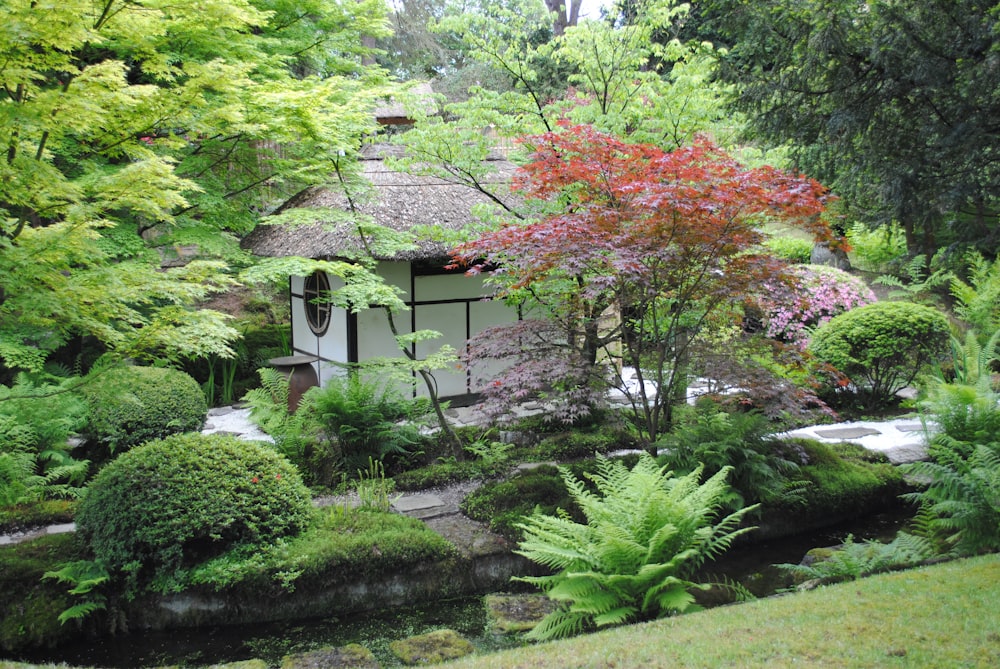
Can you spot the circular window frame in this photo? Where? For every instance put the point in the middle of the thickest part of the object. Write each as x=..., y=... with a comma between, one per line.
x=318, y=312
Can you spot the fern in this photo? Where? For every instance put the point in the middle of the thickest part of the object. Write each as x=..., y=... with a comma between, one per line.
x=962, y=499
x=978, y=300
x=918, y=283
x=646, y=534
x=86, y=577
x=852, y=560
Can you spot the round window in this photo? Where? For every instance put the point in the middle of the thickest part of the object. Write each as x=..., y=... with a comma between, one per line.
x=317, y=302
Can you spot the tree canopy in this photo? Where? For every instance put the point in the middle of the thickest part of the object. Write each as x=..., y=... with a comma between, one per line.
x=639, y=250
x=135, y=131
x=893, y=104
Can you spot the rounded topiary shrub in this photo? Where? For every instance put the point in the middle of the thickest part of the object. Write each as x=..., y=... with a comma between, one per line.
x=882, y=347
x=132, y=405
x=175, y=502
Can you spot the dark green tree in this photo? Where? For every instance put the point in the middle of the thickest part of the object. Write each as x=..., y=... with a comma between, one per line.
x=894, y=103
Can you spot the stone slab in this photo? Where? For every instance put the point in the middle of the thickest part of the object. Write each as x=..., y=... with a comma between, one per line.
x=846, y=432
x=911, y=427
x=408, y=503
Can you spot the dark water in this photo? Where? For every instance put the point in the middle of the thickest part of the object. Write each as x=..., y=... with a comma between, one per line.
x=751, y=565
x=271, y=641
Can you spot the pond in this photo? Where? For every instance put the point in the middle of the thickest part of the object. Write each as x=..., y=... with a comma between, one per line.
x=749, y=564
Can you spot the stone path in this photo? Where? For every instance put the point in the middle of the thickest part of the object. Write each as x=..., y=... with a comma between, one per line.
x=902, y=440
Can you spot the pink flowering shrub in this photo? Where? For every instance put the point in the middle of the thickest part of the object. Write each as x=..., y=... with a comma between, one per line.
x=817, y=293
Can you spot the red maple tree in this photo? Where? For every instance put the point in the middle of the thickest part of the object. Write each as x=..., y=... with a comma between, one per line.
x=637, y=252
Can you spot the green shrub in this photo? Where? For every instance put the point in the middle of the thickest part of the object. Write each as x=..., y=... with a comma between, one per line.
x=505, y=504
x=448, y=471
x=131, y=405
x=763, y=470
x=645, y=536
x=172, y=503
x=790, y=249
x=882, y=347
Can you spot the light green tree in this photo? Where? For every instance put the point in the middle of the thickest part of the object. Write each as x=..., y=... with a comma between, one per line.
x=136, y=132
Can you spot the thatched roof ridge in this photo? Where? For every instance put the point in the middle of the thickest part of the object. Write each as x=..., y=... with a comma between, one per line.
x=400, y=201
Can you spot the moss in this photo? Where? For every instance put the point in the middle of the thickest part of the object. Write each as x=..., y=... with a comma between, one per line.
x=351, y=656
x=517, y=613
x=30, y=607
x=36, y=514
x=344, y=545
x=432, y=648
x=844, y=480
x=504, y=504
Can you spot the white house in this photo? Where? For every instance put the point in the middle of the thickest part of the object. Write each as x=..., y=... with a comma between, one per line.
x=438, y=299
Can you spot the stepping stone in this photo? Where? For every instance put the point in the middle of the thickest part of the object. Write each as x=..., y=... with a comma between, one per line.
x=432, y=648
x=911, y=427
x=408, y=503
x=61, y=529
x=352, y=656
x=846, y=432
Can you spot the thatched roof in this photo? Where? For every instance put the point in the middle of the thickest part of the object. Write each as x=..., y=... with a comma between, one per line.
x=399, y=202
x=394, y=111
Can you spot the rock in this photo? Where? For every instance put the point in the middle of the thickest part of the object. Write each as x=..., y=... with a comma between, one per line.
x=242, y=664
x=432, y=647
x=352, y=656
x=823, y=255
x=517, y=613
x=905, y=453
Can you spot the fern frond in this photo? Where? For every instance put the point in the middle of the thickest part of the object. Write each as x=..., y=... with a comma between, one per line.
x=80, y=611
x=559, y=624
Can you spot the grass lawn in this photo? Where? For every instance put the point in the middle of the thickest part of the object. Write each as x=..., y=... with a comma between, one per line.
x=943, y=616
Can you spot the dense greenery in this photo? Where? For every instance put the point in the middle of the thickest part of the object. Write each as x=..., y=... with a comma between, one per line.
x=130, y=405
x=960, y=485
x=171, y=503
x=763, y=468
x=135, y=134
x=30, y=607
x=37, y=418
x=645, y=535
x=890, y=103
x=882, y=347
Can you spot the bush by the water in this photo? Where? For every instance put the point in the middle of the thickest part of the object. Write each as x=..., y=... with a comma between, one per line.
x=882, y=347
x=646, y=534
x=131, y=405
x=172, y=503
